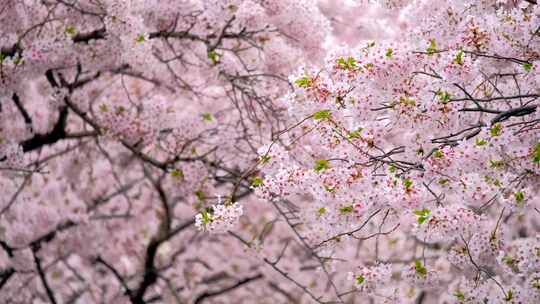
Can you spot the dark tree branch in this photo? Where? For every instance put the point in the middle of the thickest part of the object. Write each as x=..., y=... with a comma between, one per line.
x=43, y=278
x=517, y=112
x=5, y=275
x=210, y=294
x=150, y=274
x=7, y=248
x=120, y=279
x=51, y=235
x=10, y=51
x=57, y=133
x=93, y=35
x=22, y=110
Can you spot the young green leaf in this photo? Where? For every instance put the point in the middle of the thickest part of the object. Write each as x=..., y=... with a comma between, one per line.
x=536, y=153
x=177, y=173
x=423, y=215
x=420, y=269
x=71, y=30
x=265, y=158
x=527, y=66
x=432, y=47
x=257, y=181
x=346, y=209
x=321, y=211
x=443, y=96
x=481, y=142
x=207, y=116
x=438, y=154
x=407, y=183
x=321, y=164
x=359, y=279
x=213, y=56
x=496, y=129
x=304, y=82
x=519, y=196
x=322, y=114
x=354, y=134
x=206, y=217
x=459, y=57
x=349, y=63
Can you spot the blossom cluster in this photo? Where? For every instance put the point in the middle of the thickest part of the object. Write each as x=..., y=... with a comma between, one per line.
x=222, y=218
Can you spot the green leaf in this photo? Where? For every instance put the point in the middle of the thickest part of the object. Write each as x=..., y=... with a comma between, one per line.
x=423, y=212
x=459, y=58
x=481, y=142
x=519, y=196
x=140, y=38
x=206, y=217
x=177, y=173
x=443, y=96
x=496, y=129
x=304, y=82
x=349, y=63
x=392, y=168
x=443, y=181
x=200, y=195
x=407, y=101
x=330, y=189
x=509, y=296
x=321, y=164
x=496, y=163
x=438, y=154
x=423, y=215
x=322, y=114
x=508, y=260
x=257, y=181
x=71, y=30
x=346, y=209
x=459, y=295
x=354, y=134
x=321, y=211
x=407, y=183
x=432, y=47
x=207, y=116
x=420, y=269
x=527, y=66
x=536, y=283
x=119, y=110
x=389, y=53
x=265, y=158
x=213, y=56
x=359, y=279
x=536, y=153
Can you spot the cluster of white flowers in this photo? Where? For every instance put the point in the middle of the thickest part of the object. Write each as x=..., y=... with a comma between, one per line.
x=223, y=218
x=368, y=279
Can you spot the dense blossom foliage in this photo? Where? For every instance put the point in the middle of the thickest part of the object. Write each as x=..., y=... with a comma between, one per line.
x=261, y=151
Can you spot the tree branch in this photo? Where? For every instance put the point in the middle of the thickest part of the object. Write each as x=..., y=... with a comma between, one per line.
x=42, y=277
x=210, y=294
